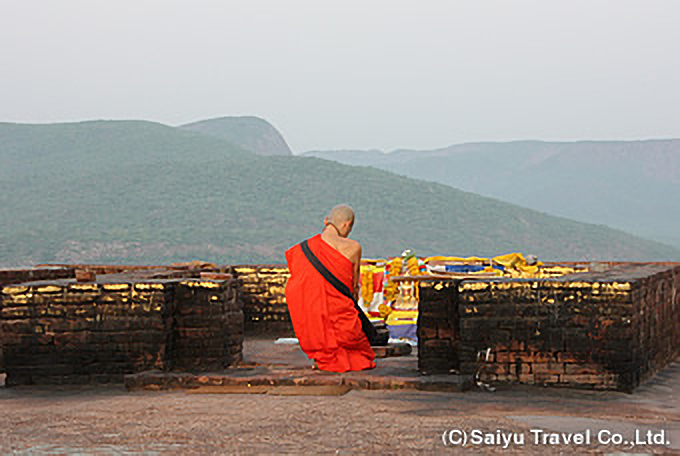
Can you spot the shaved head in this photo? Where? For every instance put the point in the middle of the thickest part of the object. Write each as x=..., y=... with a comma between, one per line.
x=340, y=214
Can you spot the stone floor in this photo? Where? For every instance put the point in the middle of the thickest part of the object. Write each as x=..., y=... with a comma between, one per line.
x=268, y=363
x=112, y=420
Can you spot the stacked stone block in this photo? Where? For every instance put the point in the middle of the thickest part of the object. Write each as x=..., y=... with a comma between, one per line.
x=545, y=332
x=603, y=331
x=438, y=328
x=262, y=290
x=207, y=327
x=71, y=333
x=83, y=333
x=179, y=271
x=10, y=276
x=657, y=319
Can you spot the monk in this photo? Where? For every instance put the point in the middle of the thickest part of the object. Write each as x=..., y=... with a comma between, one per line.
x=326, y=321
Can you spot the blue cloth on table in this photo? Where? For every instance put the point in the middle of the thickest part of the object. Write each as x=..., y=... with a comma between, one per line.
x=467, y=268
x=407, y=331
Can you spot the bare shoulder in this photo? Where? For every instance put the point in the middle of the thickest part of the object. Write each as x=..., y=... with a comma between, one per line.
x=352, y=242
x=354, y=249
x=353, y=245
x=351, y=249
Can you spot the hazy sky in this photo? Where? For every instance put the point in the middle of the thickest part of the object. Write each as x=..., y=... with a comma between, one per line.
x=351, y=74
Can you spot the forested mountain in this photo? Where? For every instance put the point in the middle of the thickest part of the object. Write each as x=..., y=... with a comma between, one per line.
x=142, y=192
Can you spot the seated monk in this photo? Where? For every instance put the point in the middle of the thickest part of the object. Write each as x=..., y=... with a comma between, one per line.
x=326, y=321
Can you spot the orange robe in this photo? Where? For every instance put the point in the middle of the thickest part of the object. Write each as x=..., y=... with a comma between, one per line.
x=325, y=321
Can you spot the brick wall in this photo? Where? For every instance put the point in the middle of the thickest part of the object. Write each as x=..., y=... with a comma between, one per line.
x=545, y=332
x=438, y=328
x=656, y=315
x=606, y=330
x=66, y=332
x=81, y=333
x=262, y=290
x=10, y=276
x=136, y=272
x=207, y=327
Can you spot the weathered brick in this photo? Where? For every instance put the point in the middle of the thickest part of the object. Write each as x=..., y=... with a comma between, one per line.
x=548, y=368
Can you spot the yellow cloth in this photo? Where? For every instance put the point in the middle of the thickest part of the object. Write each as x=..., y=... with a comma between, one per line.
x=459, y=259
x=402, y=317
x=518, y=262
x=514, y=263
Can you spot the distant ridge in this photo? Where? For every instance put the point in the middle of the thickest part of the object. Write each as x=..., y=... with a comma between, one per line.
x=251, y=133
x=629, y=185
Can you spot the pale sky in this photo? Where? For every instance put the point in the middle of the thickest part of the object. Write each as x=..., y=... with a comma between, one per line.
x=351, y=74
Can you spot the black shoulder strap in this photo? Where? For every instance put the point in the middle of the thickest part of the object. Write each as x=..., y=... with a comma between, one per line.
x=366, y=324
x=323, y=270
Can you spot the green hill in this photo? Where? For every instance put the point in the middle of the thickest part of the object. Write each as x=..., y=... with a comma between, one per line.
x=251, y=133
x=140, y=192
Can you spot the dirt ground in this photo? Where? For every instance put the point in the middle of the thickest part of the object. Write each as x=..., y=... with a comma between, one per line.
x=110, y=420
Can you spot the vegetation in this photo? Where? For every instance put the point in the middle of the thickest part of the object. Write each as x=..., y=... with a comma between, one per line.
x=251, y=133
x=140, y=192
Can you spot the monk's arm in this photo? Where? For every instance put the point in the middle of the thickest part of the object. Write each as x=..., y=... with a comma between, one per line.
x=357, y=271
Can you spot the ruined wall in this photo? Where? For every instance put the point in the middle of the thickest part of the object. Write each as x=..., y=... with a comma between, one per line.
x=10, y=276
x=438, y=328
x=207, y=326
x=657, y=318
x=609, y=330
x=262, y=290
x=67, y=332
x=81, y=333
x=546, y=332
x=261, y=287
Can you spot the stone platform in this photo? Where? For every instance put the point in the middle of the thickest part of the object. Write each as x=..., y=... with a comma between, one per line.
x=268, y=363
